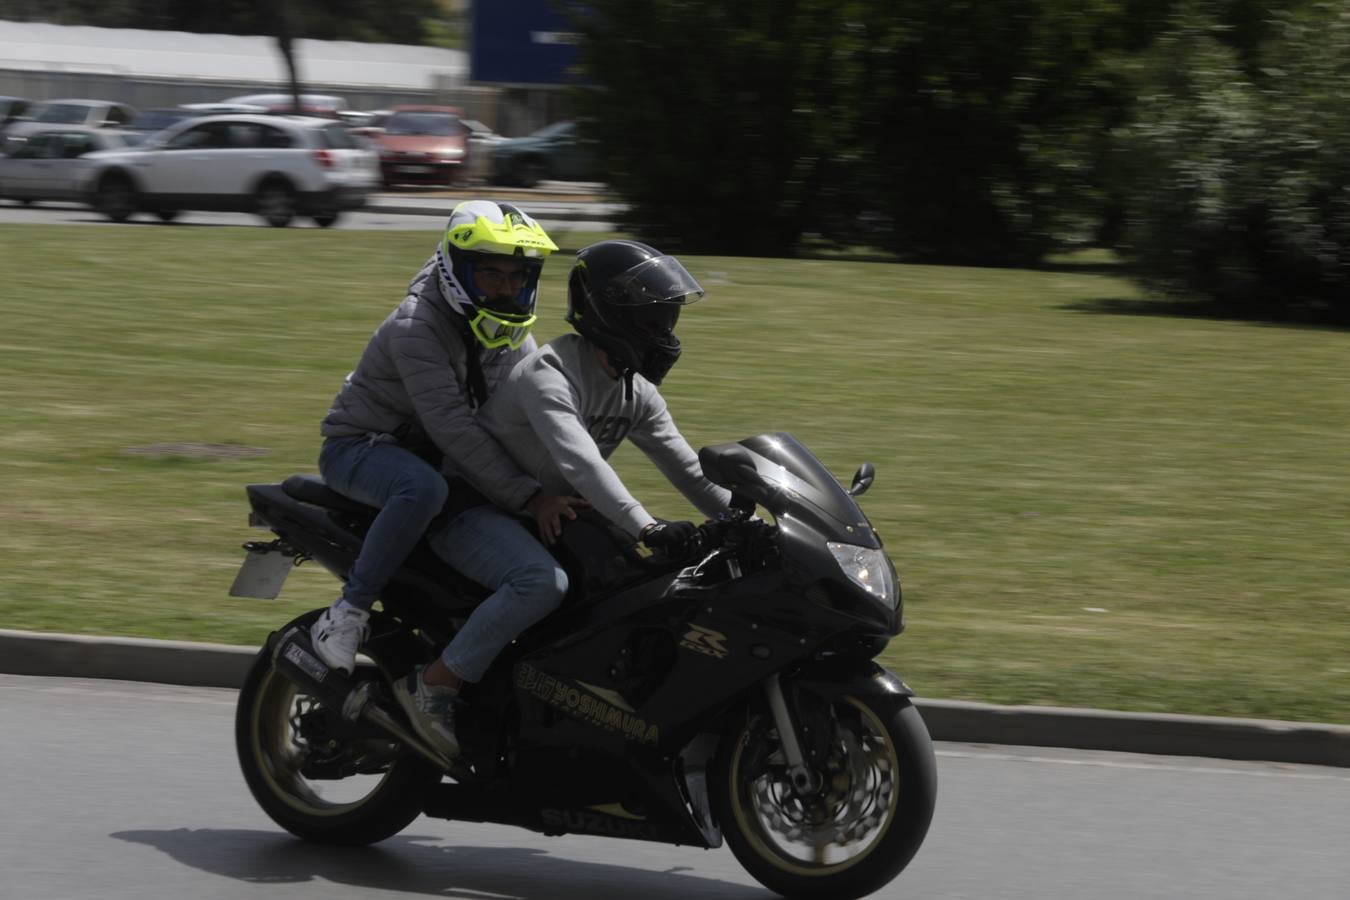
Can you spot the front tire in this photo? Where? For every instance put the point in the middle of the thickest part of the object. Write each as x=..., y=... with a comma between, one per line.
x=116, y=197
x=858, y=829
x=274, y=725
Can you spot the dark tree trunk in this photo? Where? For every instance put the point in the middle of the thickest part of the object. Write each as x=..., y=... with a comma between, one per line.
x=281, y=21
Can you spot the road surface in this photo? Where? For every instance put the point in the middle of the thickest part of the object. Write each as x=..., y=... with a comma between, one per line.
x=553, y=215
x=119, y=789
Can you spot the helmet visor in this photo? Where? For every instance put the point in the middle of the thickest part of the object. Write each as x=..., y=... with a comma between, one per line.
x=661, y=279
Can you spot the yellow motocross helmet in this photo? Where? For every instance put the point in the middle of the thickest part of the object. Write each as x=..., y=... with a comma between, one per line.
x=480, y=230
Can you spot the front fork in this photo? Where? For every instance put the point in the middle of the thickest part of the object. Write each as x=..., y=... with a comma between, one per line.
x=804, y=778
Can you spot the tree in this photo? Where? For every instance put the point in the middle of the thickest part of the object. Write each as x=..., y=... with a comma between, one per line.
x=281, y=23
x=1241, y=173
x=717, y=121
x=949, y=130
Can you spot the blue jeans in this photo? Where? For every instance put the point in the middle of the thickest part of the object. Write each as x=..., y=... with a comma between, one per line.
x=496, y=550
x=406, y=489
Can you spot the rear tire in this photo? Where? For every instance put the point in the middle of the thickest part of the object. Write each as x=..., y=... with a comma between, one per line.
x=276, y=202
x=325, y=219
x=116, y=197
x=166, y=215
x=871, y=812
x=273, y=752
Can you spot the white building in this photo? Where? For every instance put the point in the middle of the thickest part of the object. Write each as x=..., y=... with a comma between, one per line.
x=165, y=68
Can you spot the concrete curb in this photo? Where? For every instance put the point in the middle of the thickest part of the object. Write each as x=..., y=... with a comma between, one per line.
x=224, y=665
x=1160, y=733
x=571, y=214
x=544, y=208
x=128, y=659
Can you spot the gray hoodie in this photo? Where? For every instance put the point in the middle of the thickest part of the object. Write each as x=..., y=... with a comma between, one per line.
x=411, y=384
x=561, y=416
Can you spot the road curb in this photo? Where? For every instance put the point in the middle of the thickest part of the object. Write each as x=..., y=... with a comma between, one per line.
x=543, y=215
x=224, y=665
x=543, y=207
x=1159, y=733
x=128, y=659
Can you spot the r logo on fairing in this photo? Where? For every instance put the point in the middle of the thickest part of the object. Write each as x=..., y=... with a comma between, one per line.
x=706, y=641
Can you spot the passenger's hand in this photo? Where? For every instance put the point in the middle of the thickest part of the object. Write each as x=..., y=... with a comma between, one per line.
x=674, y=539
x=549, y=510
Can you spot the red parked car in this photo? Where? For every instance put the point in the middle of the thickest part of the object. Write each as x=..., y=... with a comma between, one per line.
x=426, y=145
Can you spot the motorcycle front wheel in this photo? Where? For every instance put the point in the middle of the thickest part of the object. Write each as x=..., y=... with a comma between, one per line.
x=317, y=777
x=859, y=824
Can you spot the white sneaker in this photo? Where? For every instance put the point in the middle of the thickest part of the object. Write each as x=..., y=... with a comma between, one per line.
x=431, y=709
x=338, y=634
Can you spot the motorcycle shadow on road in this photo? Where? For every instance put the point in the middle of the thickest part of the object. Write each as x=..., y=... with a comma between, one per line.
x=418, y=864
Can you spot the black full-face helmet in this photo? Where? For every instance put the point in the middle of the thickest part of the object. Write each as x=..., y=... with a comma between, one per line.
x=625, y=298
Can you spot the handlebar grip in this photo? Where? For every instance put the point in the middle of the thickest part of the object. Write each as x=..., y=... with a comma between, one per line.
x=711, y=536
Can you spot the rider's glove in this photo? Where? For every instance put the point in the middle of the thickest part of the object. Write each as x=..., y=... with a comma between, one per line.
x=675, y=539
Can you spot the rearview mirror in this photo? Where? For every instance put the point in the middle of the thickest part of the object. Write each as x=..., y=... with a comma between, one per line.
x=733, y=467
x=862, y=479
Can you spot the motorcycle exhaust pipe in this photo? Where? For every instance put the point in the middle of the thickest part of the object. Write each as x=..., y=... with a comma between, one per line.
x=294, y=659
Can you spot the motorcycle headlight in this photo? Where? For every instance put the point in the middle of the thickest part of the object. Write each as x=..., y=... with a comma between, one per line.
x=869, y=569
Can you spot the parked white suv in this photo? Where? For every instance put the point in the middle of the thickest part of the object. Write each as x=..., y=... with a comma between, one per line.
x=276, y=166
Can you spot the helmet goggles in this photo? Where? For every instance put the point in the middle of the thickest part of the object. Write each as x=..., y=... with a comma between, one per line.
x=497, y=330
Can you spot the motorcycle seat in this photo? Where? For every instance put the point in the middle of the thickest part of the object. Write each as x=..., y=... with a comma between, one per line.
x=311, y=489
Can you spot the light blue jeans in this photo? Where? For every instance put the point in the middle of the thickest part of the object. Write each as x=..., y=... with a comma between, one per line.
x=406, y=490
x=496, y=550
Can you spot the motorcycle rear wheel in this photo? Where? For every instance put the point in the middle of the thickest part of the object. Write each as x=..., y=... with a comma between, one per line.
x=273, y=751
x=858, y=830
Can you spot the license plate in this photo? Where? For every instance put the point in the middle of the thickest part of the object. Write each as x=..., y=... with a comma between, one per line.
x=262, y=574
x=416, y=170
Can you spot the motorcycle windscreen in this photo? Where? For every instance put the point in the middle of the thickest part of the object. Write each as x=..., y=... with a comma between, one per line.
x=808, y=483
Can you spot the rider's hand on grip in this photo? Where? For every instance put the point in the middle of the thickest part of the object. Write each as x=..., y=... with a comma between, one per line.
x=674, y=539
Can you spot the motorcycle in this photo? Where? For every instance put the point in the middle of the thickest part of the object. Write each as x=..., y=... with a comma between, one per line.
x=733, y=693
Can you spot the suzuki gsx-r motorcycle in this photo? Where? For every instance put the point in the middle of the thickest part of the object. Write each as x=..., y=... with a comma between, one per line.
x=732, y=694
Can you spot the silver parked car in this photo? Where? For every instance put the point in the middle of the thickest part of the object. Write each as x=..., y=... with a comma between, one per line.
x=46, y=165
x=276, y=166
x=87, y=113
x=12, y=109
x=149, y=121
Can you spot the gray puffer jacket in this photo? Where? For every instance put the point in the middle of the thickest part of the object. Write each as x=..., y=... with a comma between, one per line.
x=412, y=384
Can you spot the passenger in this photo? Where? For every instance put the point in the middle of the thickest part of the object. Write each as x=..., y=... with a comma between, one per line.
x=411, y=409
x=566, y=408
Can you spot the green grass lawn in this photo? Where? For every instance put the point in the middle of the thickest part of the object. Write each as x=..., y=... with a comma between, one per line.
x=1127, y=511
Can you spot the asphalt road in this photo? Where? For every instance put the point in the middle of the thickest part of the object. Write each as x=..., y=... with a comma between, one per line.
x=79, y=214
x=130, y=790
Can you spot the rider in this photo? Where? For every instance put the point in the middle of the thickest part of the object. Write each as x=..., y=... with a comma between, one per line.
x=563, y=411
x=410, y=409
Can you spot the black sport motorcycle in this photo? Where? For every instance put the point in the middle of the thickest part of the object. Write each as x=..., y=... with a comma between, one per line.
x=731, y=694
